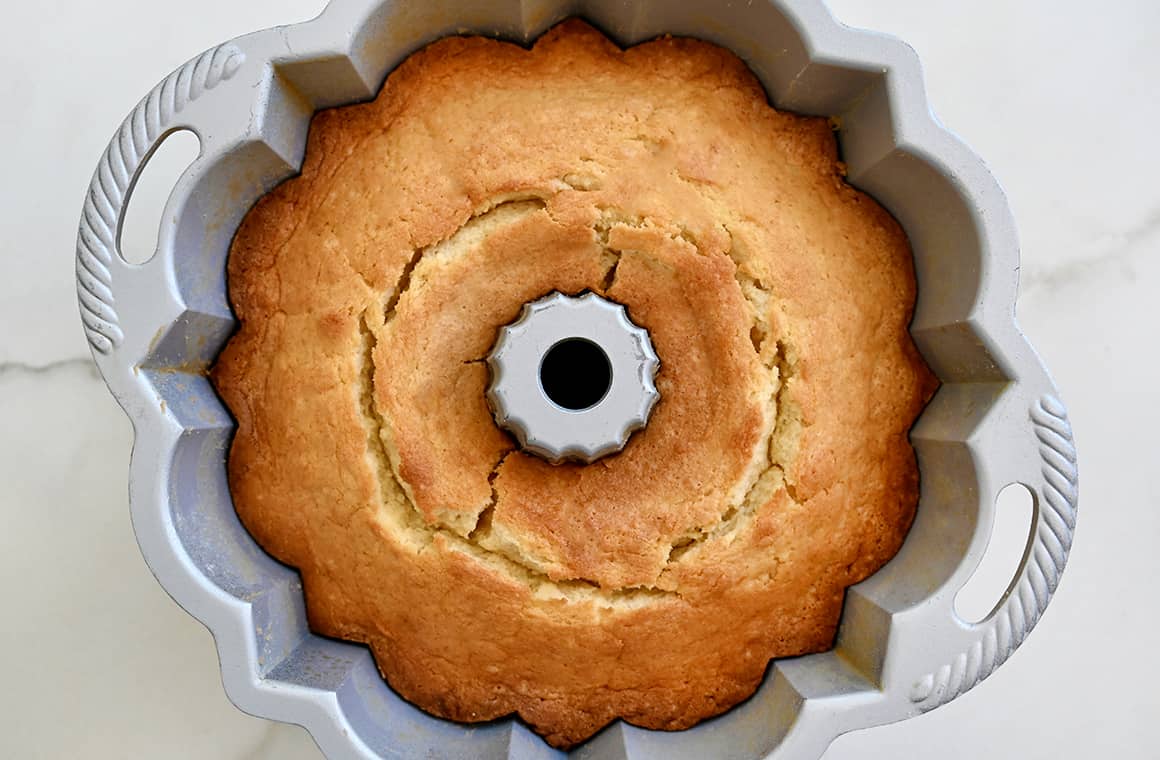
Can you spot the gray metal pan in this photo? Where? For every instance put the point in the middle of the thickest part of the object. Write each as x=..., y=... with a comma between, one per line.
x=997, y=420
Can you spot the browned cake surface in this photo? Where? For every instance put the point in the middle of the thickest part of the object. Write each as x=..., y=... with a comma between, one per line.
x=656, y=584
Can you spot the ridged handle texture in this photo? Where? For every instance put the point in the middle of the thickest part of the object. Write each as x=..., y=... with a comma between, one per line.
x=1056, y=501
x=98, y=241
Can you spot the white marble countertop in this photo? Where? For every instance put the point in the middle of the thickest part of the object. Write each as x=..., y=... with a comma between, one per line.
x=1059, y=98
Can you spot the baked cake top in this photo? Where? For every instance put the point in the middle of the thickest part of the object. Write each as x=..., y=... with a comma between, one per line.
x=655, y=584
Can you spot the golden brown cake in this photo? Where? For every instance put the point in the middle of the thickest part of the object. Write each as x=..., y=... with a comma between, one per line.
x=655, y=584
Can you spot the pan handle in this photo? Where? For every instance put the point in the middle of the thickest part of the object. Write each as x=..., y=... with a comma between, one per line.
x=98, y=260
x=993, y=641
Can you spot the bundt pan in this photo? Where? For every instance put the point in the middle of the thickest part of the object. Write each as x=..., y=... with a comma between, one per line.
x=900, y=651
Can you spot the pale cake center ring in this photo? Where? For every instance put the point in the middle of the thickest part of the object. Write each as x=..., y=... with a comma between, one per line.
x=572, y=378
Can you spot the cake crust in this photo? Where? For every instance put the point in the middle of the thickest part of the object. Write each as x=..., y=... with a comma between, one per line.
x=654, y=585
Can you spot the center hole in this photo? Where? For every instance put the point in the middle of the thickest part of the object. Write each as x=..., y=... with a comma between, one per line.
x=576, y=374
